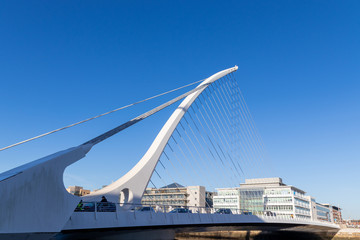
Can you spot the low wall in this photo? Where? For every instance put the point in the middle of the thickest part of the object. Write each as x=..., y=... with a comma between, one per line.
x=348, y=233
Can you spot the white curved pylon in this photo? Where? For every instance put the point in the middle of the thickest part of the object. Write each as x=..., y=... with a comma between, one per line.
x=33, y=198
x=130, y=187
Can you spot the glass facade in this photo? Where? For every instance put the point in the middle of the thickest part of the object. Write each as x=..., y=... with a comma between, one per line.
x=228, y=192
x=271, y=197
x=166, y=196
x=252, y=200
x=323, y=213
x=302, y=203
x=280, y=191
x=227, y=198
x=276, y=208
x=277, y=200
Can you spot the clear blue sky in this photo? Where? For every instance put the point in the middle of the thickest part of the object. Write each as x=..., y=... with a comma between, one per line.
x=299, y=70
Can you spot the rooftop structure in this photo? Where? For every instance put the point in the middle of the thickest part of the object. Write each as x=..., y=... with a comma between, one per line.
x=267, y=182
x=260, y=181
x=78, y=191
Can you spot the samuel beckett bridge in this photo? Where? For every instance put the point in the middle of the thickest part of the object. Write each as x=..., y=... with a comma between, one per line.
x=211, y=131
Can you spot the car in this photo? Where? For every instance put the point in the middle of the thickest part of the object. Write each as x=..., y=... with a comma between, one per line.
x=180, y=210
x=269, y=214
x=247, y=213
x=146, y=209
x=85, y=207
x=105, y=207
x=89, y=207
x=223, y=211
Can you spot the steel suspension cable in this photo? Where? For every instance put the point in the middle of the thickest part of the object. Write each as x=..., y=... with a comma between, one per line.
x=213, y=159
x=223, y=125
x=222, y=133
x=196, y=159
x=187, y=147
x=228, y=120
x=182, y=164
x=246, y=127
x=217, y=133
x=224, y=94
x=231, y=122
x=213, y=137
x=207, y=143
x=198, y=153
x=252, y=122
x=254, y=143
x=98, y=116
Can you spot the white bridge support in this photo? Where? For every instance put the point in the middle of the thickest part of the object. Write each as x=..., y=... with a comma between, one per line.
x=33, y=197
x=130, y=187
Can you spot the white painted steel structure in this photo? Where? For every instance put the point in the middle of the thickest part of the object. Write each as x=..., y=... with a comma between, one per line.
x=33, y=196
x=35, y=203
x=131, y=186
x=137, y=219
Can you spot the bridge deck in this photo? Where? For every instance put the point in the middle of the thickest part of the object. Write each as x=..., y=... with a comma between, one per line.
x=137, y=219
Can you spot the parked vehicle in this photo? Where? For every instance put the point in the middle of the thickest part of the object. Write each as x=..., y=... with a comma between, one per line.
x=247, y=213
x=105, y=207
x=146, y=209
x=180, y=210
x=223, y=211
x=89, y=207
x=85, y=207
x=270, y=214
x=100, y=207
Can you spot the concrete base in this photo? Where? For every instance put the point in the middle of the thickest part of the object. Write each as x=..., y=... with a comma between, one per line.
x=348, y=233
x=255, y=235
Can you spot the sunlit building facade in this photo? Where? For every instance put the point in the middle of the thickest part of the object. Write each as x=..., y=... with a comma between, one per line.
x=324, y=212
x=268, y=196
x=227, y=198
x=175, y=195
x=336, y=212
x=78, y=191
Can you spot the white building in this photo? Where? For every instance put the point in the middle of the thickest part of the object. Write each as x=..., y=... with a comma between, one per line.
x=324, y=212
x=227, y=198
x=175, y=195
x=265, y=196
x=78, y=191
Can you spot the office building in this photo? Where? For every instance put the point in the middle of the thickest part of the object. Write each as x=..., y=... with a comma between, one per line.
x=175, y=195
x=333, y=212
x=272, y=196
x=324, y=212
x=227, y=198
x=268, y=196
x=336, y=211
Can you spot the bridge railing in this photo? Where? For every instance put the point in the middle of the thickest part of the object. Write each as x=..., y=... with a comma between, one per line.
x=179, y=209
